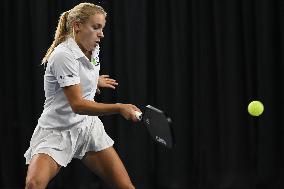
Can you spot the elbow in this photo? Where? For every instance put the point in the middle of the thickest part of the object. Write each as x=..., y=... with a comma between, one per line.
x=76, y=110
x=77, y=107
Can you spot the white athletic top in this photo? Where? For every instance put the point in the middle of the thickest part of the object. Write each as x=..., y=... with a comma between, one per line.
x=67, y=65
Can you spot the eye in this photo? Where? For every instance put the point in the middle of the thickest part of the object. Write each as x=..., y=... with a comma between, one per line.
x=96, y=27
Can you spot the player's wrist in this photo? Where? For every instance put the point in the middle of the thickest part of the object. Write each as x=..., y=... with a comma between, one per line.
x=118, y=108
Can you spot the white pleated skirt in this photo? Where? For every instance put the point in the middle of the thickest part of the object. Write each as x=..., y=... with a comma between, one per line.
x=64, y=144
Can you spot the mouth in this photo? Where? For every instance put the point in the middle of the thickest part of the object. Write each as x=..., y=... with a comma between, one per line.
x=97, y=43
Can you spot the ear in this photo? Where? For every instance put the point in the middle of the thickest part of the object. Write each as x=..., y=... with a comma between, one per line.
x=77, y=26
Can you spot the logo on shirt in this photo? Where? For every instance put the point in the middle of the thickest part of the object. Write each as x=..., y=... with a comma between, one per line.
x=63, y=76
x=95, y=62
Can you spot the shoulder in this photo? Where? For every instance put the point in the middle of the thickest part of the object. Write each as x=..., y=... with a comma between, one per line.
x=62, y=59
x=61, y=53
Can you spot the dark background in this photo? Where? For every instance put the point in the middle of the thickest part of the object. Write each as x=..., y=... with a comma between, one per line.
x=202, y=61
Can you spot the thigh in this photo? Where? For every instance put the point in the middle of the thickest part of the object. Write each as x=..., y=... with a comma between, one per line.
x=42, y=169
x=107, y=165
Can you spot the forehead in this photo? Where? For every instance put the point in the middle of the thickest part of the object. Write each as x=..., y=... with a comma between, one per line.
x=97, y=19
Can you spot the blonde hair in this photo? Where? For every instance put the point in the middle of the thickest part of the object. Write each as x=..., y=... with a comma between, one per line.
x=79, y=13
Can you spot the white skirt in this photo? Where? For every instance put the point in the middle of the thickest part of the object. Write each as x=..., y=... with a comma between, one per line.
x=65, y=144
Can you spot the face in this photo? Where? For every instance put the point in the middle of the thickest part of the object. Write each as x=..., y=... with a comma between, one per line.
x=89, y=34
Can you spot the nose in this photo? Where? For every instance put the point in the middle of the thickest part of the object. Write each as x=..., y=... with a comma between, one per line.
x=101, y=34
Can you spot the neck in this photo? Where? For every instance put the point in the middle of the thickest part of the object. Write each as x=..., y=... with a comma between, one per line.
x=87, y=53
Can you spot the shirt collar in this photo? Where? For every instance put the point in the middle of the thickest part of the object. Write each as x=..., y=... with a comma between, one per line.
x=72, y=45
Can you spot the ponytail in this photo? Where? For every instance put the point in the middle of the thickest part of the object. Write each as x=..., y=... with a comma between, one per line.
x=60, y=35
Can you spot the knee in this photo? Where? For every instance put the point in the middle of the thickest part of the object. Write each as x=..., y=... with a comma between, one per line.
x=34, y=183
x=126, y=186
x=130, y=186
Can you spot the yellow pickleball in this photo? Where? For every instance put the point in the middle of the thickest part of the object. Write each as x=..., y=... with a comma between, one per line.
x=255, y=108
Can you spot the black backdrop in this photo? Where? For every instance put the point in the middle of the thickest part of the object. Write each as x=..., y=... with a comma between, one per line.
x=201, y=61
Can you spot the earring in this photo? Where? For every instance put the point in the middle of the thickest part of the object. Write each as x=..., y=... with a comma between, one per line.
x=73, y=32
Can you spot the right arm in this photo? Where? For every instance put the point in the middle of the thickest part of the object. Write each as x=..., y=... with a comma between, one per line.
x=82, y=106
x=63, y=66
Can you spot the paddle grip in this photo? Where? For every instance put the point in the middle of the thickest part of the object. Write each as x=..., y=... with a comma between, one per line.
x=138, y=115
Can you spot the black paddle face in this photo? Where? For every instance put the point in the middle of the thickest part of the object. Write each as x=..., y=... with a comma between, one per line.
x=159, y=126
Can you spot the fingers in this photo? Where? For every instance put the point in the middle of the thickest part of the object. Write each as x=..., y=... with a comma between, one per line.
x=133, y=115
x=110, y=86
x=128, y=111
x=112, y=82
x=134, y=118
x=106, y=81
x=106, y=77
x=135, y=108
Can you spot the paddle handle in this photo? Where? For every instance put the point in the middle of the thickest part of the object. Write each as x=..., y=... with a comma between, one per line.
x=138, y=115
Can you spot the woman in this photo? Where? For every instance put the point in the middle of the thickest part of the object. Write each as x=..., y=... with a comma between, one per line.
x=69, y=127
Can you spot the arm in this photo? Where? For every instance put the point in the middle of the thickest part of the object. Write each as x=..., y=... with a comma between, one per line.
x=86, y=107
x=63, y=65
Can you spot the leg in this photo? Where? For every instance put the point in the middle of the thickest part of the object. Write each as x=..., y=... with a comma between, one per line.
x=107, y=165
x=41, y=170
